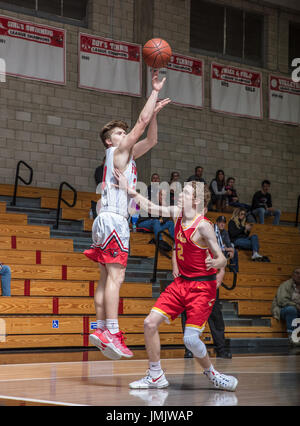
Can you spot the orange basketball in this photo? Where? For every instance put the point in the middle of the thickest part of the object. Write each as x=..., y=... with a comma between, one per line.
x=157, y=53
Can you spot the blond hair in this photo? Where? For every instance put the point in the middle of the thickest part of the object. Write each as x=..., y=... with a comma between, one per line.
x=235, y=217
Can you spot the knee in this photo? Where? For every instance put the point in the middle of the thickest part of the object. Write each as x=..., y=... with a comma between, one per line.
x=193, y=342
x=6, y=270
x=150, y=325
x=290, y=310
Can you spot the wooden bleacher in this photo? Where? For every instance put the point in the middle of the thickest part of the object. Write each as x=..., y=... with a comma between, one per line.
x=51, y=282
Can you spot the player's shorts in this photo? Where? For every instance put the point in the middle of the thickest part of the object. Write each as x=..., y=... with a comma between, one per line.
x=111, y=237
x=197, y=298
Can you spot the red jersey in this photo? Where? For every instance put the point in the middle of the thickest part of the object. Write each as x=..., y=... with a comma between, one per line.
x=189, y=255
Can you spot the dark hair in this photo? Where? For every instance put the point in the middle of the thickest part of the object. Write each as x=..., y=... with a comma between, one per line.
x=228, y=179
x=106, y=131
x=265, y=181
x=198, y=167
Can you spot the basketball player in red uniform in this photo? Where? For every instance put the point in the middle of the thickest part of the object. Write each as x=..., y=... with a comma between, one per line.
x=198, y=258
x=110, y=228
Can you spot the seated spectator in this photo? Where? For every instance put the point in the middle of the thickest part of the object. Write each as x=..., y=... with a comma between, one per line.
x=239, y=232
x=232, y=197
x=99, y=172
x=157, y=224
x=262, y=204
x=286, y=303
x=5, y=274
x=197, y=176
x=227, y=247
x=175, y=185
x=218, y=191
x=153, y=189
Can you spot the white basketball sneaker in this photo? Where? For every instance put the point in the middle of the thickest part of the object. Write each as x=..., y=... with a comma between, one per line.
x=150, y=382
x=221, y=381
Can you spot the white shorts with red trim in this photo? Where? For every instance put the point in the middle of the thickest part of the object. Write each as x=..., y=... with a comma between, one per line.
x=111, y=236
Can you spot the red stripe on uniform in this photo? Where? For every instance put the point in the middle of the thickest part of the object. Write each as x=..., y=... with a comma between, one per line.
x=91, y=288
x=27, y=288
x=86, y=331
x=121, y=307
x=55, y=305
x=13, y=242
x=64, y=270
x=38, y=257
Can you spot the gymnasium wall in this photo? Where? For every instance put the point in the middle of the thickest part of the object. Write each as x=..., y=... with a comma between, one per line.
x=55, y=129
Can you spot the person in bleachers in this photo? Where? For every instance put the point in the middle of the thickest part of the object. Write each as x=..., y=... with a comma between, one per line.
x=232, y=196
x=5, y=274
x=218, y=191
x=175, y=186
x=229, y=251
x=99, y=172
x=153, y=188
x=286, y=303
x=197, y=177
x=239, y=232
x=262, y=204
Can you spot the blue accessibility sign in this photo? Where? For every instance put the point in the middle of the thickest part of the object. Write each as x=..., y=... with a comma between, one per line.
x=55, y=323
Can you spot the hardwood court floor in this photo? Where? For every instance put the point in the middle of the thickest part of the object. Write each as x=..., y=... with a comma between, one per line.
x=263, y=380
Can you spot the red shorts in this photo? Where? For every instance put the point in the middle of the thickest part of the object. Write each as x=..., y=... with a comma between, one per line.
x=195, y=297
x=112, y=253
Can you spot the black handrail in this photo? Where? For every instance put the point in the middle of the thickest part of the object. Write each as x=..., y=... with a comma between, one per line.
x=61, y=199
x=153, y=279
x=231, y=269
x=297, y=211
x=18, y=177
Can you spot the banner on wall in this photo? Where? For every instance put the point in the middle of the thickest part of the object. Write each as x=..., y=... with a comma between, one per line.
x=184, y=84
x=33, y=50
x=236, y=91
x=284, y=100
x=109, y=65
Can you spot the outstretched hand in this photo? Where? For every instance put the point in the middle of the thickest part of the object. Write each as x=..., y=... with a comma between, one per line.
x=123, y=183
x=161, y=104
x=156, y=83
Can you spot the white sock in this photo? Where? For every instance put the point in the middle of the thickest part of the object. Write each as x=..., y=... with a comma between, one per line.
x=155, y=369
x=210, y=371
x=112, y=325
x=101, y=324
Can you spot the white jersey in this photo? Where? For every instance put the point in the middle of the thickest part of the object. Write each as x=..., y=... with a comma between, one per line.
x=115, y=200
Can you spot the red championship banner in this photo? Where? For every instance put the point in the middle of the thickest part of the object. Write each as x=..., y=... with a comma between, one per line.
x=32, y=50
x=184, y=84
x=109, y=65
x=284, y=100
x=236, y=91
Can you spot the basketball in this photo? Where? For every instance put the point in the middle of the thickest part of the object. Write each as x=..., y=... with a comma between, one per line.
x=157, y=53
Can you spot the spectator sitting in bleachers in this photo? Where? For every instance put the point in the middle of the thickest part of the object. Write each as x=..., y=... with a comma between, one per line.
x=218, y=191
x=197, y=177
x=239, y=232
x=175, y=186
x=262, y=204
x=153, y=188
x=228, y=249
x=232, y=197
x=5, y=274
x=286, y=303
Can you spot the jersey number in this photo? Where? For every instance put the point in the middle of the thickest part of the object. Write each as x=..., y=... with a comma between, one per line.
x=180, y=252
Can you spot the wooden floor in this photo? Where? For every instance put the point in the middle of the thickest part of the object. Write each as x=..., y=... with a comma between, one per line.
x=263, y=380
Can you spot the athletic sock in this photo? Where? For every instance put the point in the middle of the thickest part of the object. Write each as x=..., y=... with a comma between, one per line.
x=101, y=324
x=113, y=326
x=155, y=369
x=210, y=371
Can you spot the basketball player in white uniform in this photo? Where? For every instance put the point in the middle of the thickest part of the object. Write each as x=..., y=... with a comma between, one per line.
x=110, y=228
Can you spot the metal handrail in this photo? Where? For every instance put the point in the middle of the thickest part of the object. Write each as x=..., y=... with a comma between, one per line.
x=297, y=211
x=18, y=177
x=153, y=279
x=61, y=199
